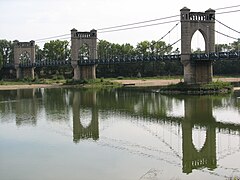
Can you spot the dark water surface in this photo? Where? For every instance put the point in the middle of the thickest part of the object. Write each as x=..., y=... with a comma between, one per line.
x=117, y=135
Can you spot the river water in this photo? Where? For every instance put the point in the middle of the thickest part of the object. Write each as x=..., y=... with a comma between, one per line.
x=117, y=134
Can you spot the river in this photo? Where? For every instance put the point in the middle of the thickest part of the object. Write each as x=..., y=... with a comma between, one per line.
x=119, y=134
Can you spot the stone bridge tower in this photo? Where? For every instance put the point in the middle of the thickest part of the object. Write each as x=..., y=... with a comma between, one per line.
x=200, y=71
x=79, y=40
x=24, y=53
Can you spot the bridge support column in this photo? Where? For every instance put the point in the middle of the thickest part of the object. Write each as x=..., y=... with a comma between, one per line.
x=83, y=49
x=24, y=54
x=84, y=72
x=22, y=73
x=197, y=71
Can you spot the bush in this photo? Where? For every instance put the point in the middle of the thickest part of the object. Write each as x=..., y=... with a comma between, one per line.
x=58, y=77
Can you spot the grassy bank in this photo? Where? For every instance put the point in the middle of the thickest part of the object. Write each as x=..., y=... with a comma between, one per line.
x=93, y=83
x=210, y=88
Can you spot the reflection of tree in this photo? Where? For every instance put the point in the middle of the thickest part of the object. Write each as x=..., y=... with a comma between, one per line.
x=135, y=102
x=57, y=104
x=26, y=107
x=81, y=99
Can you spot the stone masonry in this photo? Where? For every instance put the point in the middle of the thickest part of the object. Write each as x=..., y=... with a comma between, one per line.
x=79, y=39
x=21, y=49
x=201, y=71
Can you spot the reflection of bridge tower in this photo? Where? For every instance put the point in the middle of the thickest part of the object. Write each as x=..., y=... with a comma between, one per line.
x=24, y=53
x=80, y=39
x=199, y=71
x=197, y=111
x=92, y=130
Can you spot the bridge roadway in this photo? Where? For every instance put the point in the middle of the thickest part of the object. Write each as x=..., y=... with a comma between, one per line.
x=131, y=59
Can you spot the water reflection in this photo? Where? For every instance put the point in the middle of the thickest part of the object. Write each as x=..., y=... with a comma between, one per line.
x=92, y=130
x=198, y=111
x=26, y=107
x=192, y=113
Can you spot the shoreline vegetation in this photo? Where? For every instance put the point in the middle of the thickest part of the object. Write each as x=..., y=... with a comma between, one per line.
x=217, y=87
x=164, y=85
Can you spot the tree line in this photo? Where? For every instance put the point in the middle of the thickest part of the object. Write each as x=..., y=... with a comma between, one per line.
x=60, y=50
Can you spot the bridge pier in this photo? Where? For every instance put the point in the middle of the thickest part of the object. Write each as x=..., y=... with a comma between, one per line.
x=83, y=49
x=24, y=53
x=197, y=71
x=22, y=73
x=84, y=72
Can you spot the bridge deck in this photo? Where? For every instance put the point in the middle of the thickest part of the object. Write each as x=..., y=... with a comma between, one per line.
x=131, y=59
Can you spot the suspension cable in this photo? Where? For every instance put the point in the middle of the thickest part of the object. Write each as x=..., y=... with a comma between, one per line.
x=51, y=37
x=136, y=27
x=226, y=26
x=228, y=7
x=170, y=45
x=222, y=33
x=226, y=12
x=169, y=31
x=225, y=34
x=141, y=22
x=46, y=40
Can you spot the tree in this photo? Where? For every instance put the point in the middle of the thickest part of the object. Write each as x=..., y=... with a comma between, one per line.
x=83, y=52
x=235, y=46
x=104, y=49
x=160, y=48
x=6, y=52
x=39, y=53
x=198, y=51
x=143, y=48
x=56, y=50
x=222, y=47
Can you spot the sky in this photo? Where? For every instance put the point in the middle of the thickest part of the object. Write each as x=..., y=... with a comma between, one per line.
x=27, y=20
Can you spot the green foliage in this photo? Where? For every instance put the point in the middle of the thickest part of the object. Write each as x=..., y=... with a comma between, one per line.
x=222, y=47
x=217, y=85
x=58, y=77
x=93, y=83
x=83, y=51
x=6, y=52
x=56, y=50
x=108, y=50
x=210, y=88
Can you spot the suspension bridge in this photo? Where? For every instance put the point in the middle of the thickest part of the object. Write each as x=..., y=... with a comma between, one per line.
x=197, y=67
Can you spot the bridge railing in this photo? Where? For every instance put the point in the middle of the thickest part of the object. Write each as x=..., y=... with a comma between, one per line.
x=45, y=63
x=129, y=59
x=232, y=55
x=8, y=65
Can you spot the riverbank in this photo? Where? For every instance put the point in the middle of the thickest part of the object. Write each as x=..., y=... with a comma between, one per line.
x=167, y=82
x=123, y=82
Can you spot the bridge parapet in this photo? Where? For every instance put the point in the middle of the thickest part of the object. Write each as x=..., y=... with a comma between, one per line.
x=207, y=16
x=216, y=56
x=24, y=44
x=84, y=35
